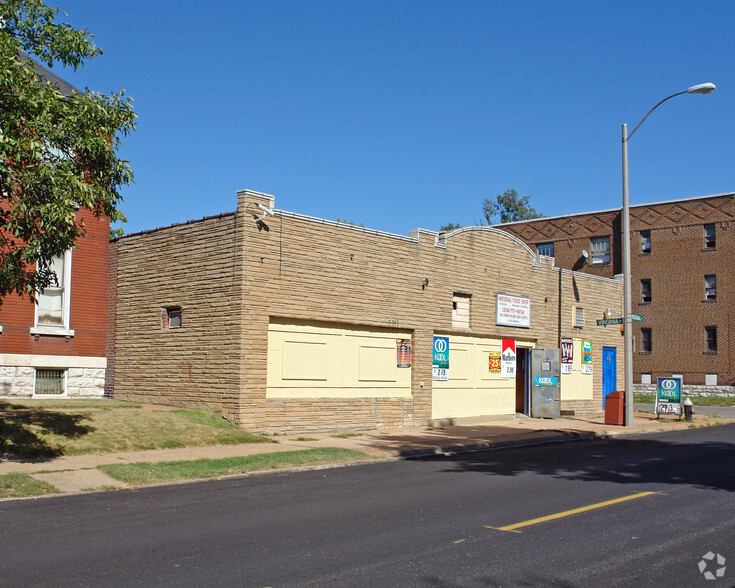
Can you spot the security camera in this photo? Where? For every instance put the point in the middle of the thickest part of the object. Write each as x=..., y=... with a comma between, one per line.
x=585, y=254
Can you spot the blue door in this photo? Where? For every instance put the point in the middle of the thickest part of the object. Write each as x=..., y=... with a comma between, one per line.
x=609, y=374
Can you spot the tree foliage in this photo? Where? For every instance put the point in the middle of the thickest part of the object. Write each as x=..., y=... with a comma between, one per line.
x=509, y=207
x=450, y=227
x=57, y=152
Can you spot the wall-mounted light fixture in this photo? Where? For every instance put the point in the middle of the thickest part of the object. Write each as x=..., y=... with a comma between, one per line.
x=425, y=284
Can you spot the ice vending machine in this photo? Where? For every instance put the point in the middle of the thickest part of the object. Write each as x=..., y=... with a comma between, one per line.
x=545, y=383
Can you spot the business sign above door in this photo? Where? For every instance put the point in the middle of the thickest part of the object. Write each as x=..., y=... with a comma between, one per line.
x=513, y=311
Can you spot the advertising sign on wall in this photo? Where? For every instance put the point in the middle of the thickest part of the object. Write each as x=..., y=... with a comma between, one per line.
x=567, y=355
x=440, y=359
x=403, y=353
x=508, y=358
x=586, y=356
x=513, y=311
x=494, y=362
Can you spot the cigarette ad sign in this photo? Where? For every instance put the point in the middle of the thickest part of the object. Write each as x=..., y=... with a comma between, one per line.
x=567, y=355
x=513, y=311
x=494, y=362
x=508, y=358
x=403, y=353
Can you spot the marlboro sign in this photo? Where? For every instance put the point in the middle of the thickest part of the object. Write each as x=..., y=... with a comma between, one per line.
x=508, y=358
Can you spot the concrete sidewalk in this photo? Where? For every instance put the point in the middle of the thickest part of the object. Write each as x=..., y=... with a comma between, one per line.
x=79, y=473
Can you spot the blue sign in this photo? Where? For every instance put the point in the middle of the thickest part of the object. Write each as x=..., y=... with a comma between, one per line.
x=441, y=352
x=545, y=381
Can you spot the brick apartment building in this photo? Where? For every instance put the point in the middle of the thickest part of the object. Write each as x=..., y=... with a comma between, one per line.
x=683, y=279
x=58, y=347
x=285, y=322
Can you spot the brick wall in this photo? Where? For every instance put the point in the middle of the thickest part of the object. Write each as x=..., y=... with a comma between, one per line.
x=676, y=266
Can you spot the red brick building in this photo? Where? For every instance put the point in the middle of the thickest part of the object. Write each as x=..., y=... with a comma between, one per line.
x=58, y=346
x=683, y=279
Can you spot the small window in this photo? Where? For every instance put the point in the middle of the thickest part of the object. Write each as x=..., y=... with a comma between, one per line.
x=645, y=242
x=710, y=344
x=710, y=237
x=171, y=317
x=578, y=317
x=50, y=382
x=646, y=290
x=710, y=287
x=600, y=247
x=646, y=341
x=461, y=310
x=710, y=379
x=545, y=249
x=645, y=378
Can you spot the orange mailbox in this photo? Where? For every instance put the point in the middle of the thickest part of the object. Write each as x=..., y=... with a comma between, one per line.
x=615, y=408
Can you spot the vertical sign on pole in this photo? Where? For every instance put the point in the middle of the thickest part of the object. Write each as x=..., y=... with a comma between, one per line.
x=567, y=355
x=508, y=358
x=440, y=359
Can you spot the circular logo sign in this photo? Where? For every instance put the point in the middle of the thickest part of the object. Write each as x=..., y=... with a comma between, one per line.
x=440, y=345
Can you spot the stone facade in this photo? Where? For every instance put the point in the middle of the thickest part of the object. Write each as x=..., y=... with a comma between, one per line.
x=230, y=278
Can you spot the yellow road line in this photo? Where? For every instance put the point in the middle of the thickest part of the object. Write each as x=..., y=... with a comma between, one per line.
x=566, y=513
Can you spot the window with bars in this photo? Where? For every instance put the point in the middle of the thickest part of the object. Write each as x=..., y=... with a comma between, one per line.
x=545, y=249
x=600, y=247
x=50, y=382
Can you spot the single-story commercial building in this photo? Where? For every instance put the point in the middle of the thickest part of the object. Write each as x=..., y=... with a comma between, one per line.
x=284, y=322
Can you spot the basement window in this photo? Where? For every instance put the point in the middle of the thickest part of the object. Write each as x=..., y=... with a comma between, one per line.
x=50, y=382
x=171, y=317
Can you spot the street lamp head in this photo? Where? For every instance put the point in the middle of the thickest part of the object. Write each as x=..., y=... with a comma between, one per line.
x=707, y=88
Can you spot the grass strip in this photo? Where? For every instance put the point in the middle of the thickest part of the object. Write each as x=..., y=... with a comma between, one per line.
x=696, y=400
x=137, y=474
x=20, y=485
x=66, y=403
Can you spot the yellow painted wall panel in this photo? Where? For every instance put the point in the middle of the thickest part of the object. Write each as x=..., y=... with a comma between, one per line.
x=377, y=363
x=576, y=386
x=304, y=360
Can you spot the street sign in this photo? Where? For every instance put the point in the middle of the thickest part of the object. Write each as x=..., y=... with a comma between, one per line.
x=613, y=321
x=637, y=317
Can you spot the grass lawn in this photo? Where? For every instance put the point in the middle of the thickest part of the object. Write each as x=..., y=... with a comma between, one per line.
x=696, y=400
x=49, y=428
x=137, y=474
x=20, y=485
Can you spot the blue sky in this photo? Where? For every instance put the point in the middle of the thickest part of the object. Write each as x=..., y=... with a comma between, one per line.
x=404, y=114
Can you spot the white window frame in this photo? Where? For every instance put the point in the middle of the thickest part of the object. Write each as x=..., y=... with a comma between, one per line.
x=63, y=329
x=710, y=287
x=546, y=246
x=65, y=384
x=600, y=256
x=645, y=242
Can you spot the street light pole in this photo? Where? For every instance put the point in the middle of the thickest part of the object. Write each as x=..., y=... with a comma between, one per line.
x=627, y=303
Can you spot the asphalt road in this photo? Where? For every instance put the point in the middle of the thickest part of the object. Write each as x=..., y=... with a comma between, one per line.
x=626, y=512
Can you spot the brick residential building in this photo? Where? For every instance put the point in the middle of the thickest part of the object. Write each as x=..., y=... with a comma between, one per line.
x=58, y=346
x=682, y=279
x=285, y=322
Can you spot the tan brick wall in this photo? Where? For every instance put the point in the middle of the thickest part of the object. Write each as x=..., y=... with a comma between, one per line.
x=307, y=269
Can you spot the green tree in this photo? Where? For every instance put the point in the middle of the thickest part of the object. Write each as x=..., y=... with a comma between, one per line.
x=450, y=227
x=509, y=207
x=57, y=149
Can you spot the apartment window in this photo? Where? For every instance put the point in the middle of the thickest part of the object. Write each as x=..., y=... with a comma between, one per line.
x=645, y=242
x=710, y=287
x=461, y=310
x=171, y=317
x=646, y=290
x=50, y=382
x=710, y=237
x=578, y=317
x=710, y=344
x=600, y=247
x=545, y=249
x=52, y=309
x=646, y=341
